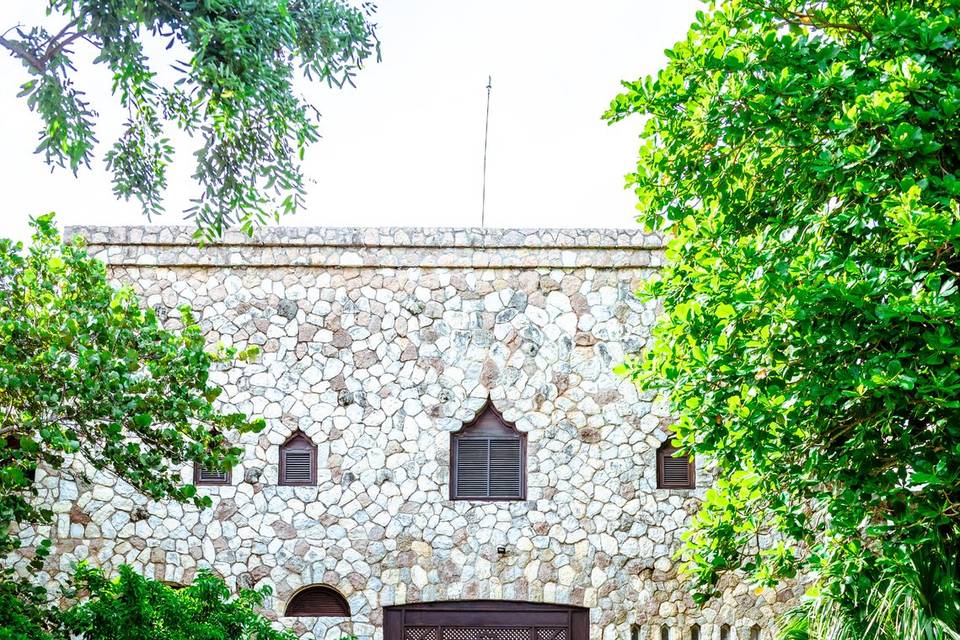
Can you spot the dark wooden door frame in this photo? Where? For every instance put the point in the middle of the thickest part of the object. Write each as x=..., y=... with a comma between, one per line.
x=487, y=614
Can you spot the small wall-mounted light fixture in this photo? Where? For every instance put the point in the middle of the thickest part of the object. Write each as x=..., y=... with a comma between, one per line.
x=501, y=551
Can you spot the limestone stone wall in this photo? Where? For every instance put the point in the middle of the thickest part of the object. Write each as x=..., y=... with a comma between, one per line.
x=378, y=344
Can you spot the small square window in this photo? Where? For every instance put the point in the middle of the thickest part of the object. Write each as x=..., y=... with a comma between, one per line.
x=203, y=476
x=674, y=472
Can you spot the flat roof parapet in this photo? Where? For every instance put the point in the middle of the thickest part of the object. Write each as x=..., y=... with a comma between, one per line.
x=375, y=247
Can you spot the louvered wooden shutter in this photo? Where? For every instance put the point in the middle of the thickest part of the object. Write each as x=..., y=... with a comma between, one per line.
x=213, y=476
x=297, y=467
x=674, y=473
x=298, y=461
x=473, y=469
x=489, y=468
x=505, y=464
x=209, y=476
x=318, y=601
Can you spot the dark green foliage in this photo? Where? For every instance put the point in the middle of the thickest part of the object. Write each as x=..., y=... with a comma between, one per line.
x=131, y=607
x=917, y=599
x=804, y=157
x=85, y=370
x=234, y=92
x=24, y=614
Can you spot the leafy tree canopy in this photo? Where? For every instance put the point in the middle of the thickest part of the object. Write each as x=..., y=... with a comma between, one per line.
x=131, y=607
x=234, y=93
x=86, y=371
x=803, y=158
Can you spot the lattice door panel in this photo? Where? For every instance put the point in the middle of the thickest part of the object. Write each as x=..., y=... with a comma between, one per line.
x=420, y=633
x=485, y=633
x=558, y=633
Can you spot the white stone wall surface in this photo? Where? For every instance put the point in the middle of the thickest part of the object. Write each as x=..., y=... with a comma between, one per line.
x=378, y=344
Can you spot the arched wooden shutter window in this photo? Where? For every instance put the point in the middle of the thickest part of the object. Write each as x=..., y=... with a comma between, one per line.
x=695, y=632
x=318, y=601
x=634, y=632
x=664, y=632
x=755, y=632
x=674, y=472
x=298, y=461
x=725, y=632
x=488, y=460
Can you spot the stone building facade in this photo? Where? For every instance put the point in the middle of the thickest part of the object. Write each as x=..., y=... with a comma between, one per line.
x=377, y=346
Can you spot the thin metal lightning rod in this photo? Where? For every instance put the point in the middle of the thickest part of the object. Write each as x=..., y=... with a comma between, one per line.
x=486, y=130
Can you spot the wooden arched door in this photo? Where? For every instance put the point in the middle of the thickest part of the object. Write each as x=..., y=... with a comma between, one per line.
x=485, y=620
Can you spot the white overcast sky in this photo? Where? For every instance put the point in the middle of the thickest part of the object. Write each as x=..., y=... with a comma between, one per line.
x=405, y=147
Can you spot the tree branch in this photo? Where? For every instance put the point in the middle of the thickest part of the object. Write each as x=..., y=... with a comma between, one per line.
x=67, y=27
x=180, y=14
x=22, y=52
x=53, y=46
x=811, y=20
x=48, y=56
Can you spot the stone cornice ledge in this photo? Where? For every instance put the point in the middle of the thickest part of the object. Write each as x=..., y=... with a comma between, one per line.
x=375, y=247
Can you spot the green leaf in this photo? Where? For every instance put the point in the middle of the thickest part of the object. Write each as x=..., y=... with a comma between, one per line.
x=724, y=311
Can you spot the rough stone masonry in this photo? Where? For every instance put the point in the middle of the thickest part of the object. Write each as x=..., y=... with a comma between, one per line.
x=378, y=344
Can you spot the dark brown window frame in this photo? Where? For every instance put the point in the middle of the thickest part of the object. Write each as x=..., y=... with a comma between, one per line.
x=338, y=600
x=197, y=480
x=667, y=450
x=293, y=442
x=510, y=431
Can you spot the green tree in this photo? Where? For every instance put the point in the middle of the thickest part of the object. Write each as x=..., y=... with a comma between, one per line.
x=131, y=607
x=802, y=156
x=917, y=599
x=86, y=371
x=234, y=93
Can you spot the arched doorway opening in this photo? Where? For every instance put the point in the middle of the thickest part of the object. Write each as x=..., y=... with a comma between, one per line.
x=485, y=620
